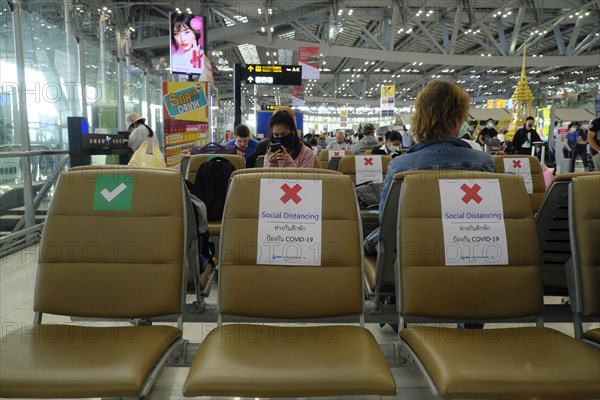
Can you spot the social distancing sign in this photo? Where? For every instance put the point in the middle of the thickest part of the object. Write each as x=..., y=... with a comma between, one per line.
x=368, y=169
x=520, y=167
x=473, y=222
x=113, y=193
x=289, y=222
x=336, y=153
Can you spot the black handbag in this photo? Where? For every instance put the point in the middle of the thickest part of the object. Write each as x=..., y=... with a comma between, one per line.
x=369, y=194
x=214, y=148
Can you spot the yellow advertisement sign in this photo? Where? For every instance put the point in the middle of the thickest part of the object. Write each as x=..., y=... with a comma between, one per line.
x=388, y=91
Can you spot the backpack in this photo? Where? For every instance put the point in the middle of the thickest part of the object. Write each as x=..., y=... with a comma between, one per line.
x=211, y=182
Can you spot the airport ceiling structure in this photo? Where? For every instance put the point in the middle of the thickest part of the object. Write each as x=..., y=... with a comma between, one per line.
x=365, y=43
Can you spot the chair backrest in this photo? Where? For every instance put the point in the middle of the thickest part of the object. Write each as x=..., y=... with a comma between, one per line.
x=584, y=222
x=348, y=165
x=552, y=226
x=386, y=253
x=113, y=244
x=537, y=184
x=196, y=160
x=281, y=291
x=429, y=288
x=324, y=156
x=317, y=164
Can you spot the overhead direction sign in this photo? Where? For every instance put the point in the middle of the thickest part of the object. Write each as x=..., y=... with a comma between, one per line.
x=258, y=74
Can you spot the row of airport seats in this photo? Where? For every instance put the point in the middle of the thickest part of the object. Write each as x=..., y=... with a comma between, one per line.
x=117, y=243
x=278, y=361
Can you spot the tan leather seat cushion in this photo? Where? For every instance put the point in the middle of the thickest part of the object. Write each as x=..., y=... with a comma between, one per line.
x=593, y=335
x=371, y=271
x=74, y=361
x=277, y=361
x=513, y=363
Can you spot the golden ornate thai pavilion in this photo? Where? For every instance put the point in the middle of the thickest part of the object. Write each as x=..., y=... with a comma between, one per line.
x=522, y=99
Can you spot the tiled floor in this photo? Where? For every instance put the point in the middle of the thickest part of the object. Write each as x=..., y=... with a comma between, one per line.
x=17, y=279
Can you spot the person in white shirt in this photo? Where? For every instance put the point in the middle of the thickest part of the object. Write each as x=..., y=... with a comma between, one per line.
x=339, y=143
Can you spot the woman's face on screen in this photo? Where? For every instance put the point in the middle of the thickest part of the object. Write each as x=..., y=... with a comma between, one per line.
x=185, y=38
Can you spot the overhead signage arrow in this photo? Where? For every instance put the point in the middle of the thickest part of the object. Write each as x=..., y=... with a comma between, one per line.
x=250, y=68
x=250, y=79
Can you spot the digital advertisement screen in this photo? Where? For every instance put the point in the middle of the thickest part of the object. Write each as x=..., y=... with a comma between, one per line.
x=187, y=43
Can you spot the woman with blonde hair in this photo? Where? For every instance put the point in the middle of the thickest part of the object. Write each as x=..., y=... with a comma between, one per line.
x=440, y=110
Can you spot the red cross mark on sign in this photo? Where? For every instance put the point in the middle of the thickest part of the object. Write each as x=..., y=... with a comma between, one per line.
x=516, y=163
x=291, y=193
x=336, y=153
x=471, y=193
x=368, y=161
x=196, y=59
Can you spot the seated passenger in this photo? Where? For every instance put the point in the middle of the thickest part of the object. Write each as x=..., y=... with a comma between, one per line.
x=366, y=142
x=263, y=145
x=339, y=143
x=285, y=147
x=244, y=144
x=392, y=145
x=438, y=146
x=440, y=110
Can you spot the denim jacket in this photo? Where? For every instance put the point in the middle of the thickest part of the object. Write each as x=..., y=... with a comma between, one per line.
x=451, y=153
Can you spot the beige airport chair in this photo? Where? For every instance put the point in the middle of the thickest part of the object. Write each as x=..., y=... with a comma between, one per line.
x=537, y=177
x=196, y=160
x=260, y=161
x=552, y=227
x=246, y=360
x=505, y=363
x=316, y=163
x=112, y=247
x=348, y=166
x=583, y=270
x=324, y=157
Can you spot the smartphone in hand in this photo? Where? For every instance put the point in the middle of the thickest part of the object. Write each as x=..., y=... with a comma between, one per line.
x=275, y=147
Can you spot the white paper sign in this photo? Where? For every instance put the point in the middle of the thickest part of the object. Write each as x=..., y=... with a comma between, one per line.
x=289, y=222
x=521, y=167
x=368, y=168
x=473, y=222
x=336, y=153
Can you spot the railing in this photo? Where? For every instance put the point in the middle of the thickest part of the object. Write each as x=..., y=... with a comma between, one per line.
x=18, y=191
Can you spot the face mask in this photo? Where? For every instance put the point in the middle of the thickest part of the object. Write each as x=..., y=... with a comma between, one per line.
x=573, y=130
x=585, y=127
x=491, y=125
x=286, y=141
x=394, y=149
x=529, y=125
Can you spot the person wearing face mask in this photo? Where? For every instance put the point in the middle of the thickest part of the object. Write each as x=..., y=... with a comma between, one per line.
x=244, y=144
x=392, y=145
x=488, y=132
x=580, y=147
x=285, y=147
x=525, y=136
x=569, y=142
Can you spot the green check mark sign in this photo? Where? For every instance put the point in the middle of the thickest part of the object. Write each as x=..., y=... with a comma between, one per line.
x=113, y=193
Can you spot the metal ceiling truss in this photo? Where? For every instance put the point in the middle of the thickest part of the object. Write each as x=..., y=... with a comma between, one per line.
x=443, y=36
